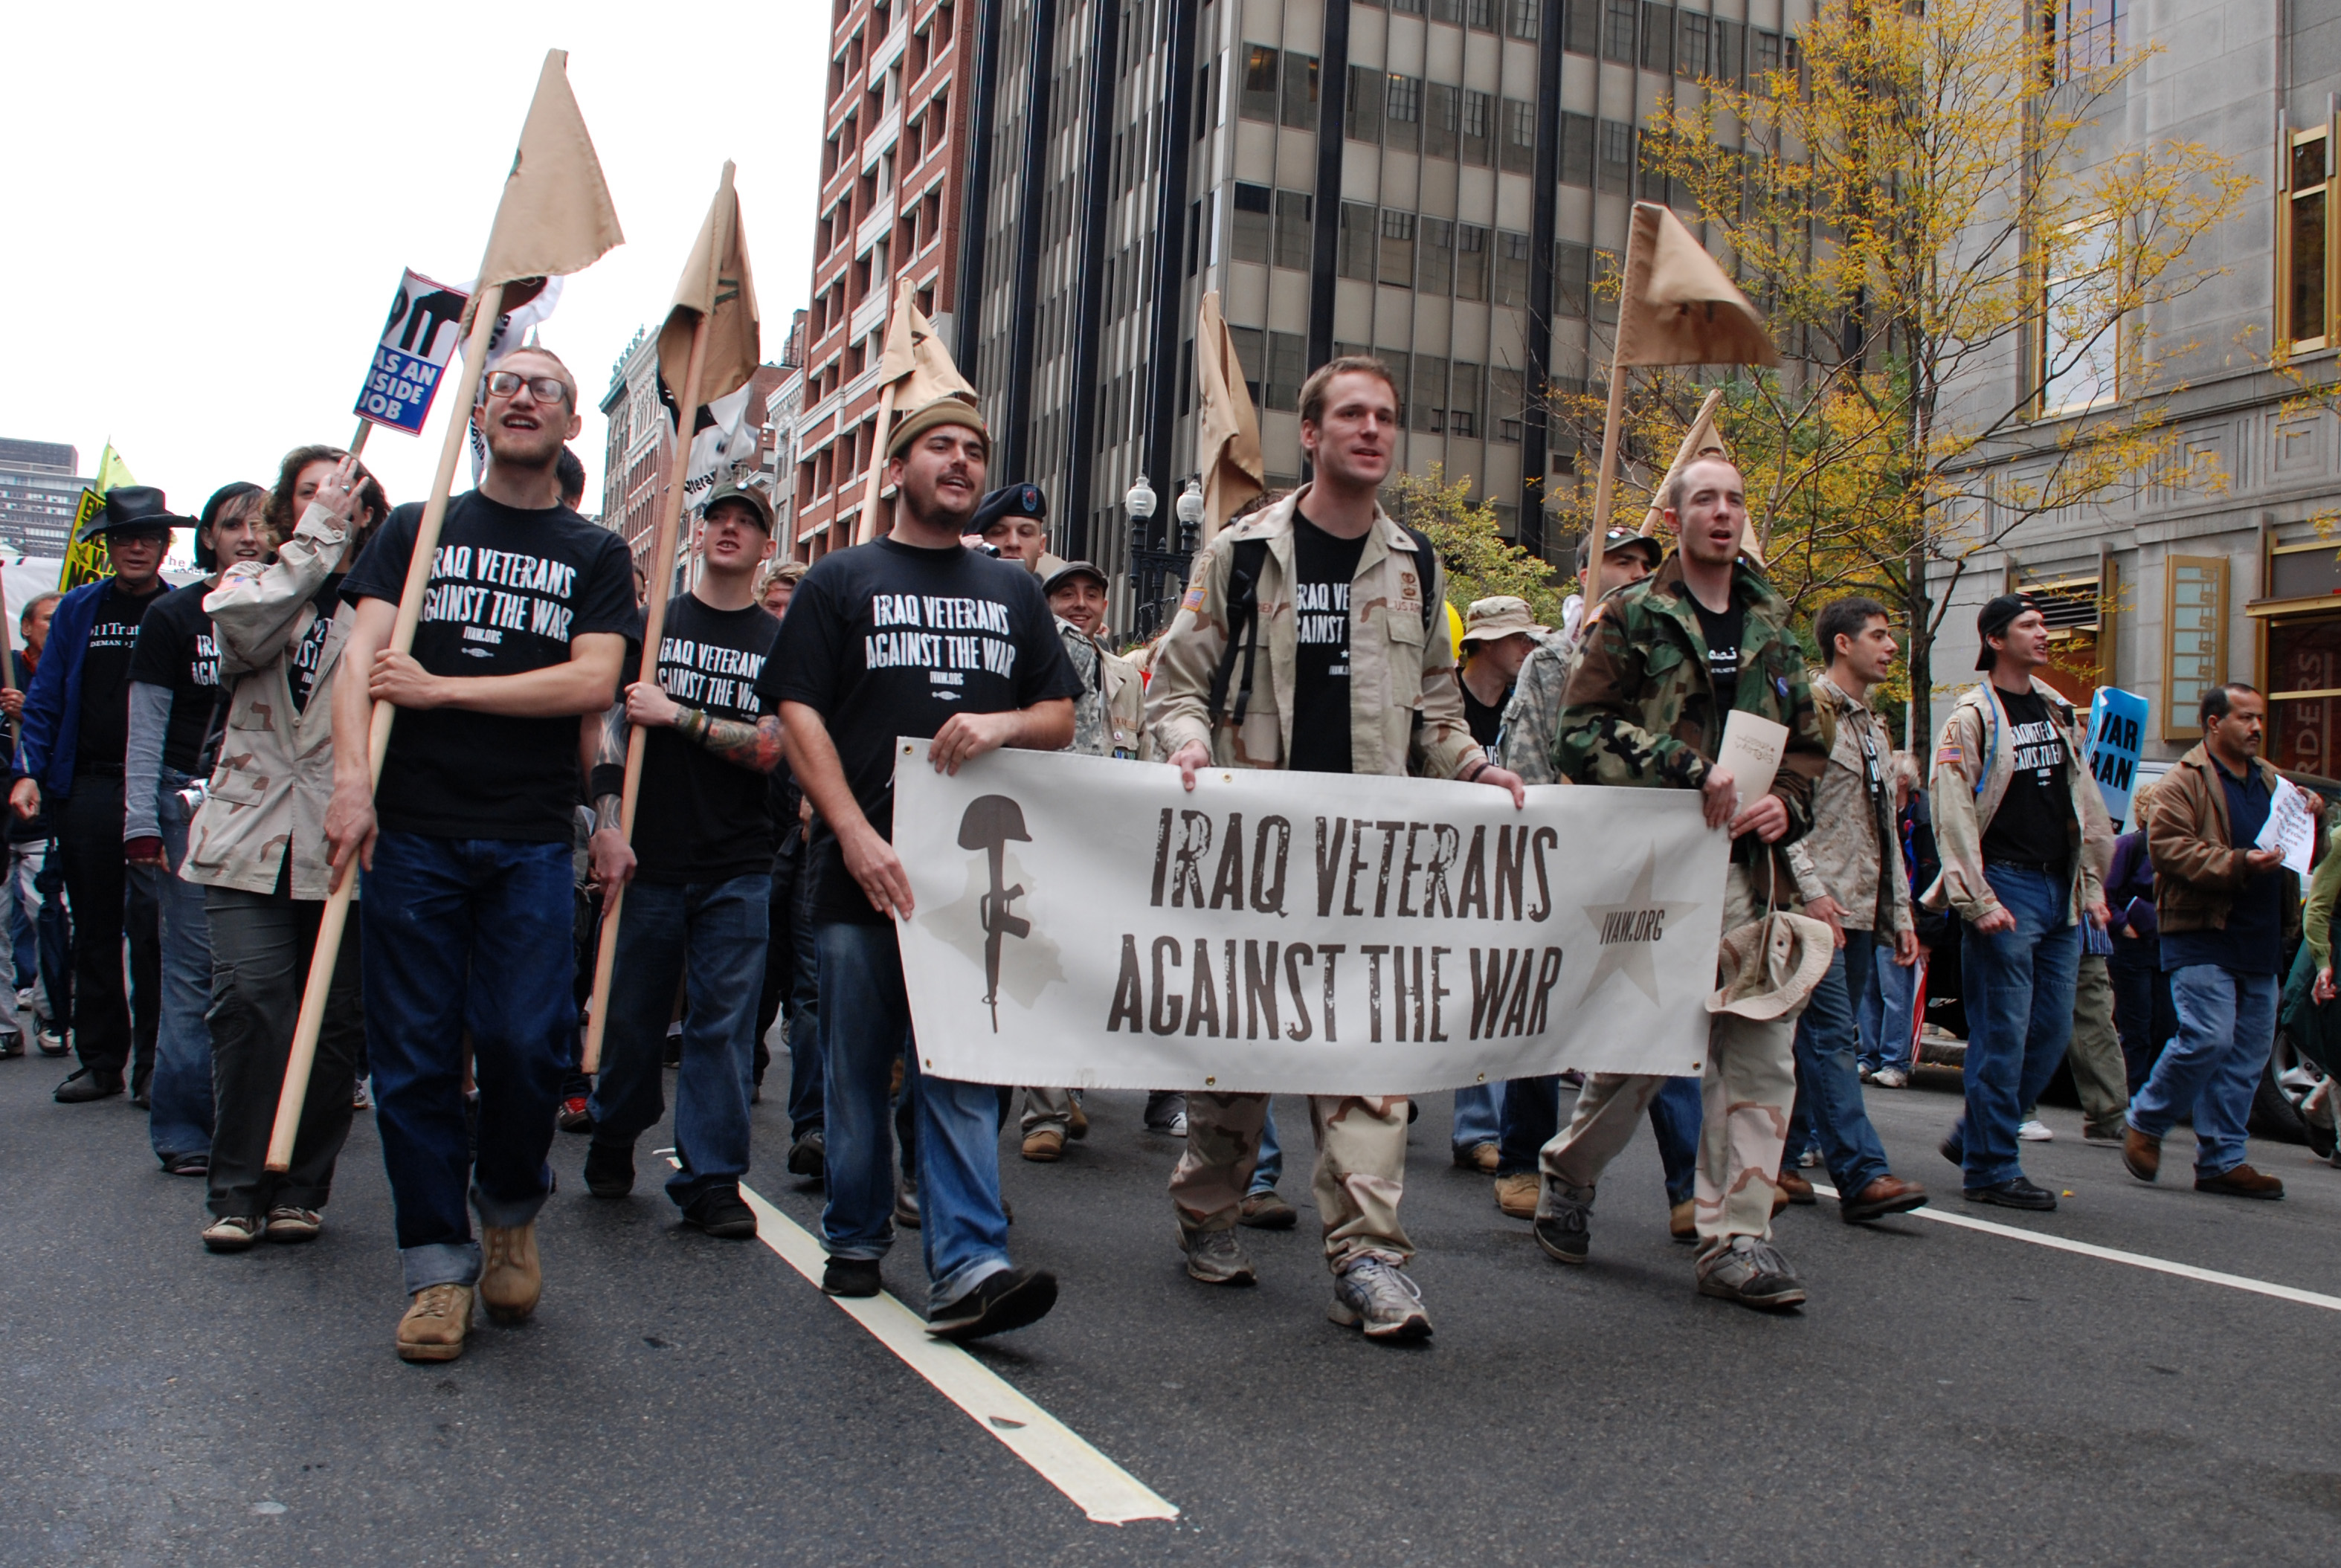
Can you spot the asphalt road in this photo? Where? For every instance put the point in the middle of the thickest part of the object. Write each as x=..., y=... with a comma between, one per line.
x=1949, y=1396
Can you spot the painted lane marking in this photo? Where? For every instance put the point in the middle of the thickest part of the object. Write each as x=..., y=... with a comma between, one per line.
x=2114, y=1254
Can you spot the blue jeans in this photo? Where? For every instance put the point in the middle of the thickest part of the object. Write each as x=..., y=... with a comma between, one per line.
x=865, y=1022
x=1829, y=1085
x=708, y=937
x=2018, y=992
x=1479, y=1115
x=1270, y=1166
x=1531, y=1119
x=1883, y=1016
x=440, y=913
x=24, y=938
x=2226, y=1023
x=181, y=1121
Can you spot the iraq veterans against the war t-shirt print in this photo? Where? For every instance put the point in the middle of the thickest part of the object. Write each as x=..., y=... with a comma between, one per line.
x=492, y=592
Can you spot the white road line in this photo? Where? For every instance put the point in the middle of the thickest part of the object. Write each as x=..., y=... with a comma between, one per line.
x=1105, y=1492
x=2114, y=1254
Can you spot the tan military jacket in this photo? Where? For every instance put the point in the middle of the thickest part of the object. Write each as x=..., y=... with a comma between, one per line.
x=1406, y=706
x=1849, y=848
x=1973, y=765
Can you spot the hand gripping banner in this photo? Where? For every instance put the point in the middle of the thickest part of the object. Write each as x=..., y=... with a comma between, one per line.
x=1084, y=921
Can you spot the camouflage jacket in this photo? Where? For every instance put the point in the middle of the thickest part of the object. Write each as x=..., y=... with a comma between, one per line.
x=1406, y=705
x=1108, y=718
x=1854, y=853
x=1640, y=710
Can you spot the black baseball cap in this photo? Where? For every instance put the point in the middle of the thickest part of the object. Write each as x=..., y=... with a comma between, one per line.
x=1993, y=618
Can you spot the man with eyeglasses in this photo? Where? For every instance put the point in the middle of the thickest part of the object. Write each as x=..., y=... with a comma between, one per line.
x=466, y=846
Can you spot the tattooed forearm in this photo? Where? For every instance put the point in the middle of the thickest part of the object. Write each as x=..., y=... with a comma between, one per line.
x=756, y=747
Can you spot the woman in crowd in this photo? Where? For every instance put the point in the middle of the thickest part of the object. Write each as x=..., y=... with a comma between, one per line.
x=258, y=847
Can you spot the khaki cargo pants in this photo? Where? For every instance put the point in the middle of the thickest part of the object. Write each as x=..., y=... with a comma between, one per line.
x=1746, y=1089
x=1361, y=1169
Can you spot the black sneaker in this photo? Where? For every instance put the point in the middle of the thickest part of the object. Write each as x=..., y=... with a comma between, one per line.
x=89, y=1084
x=2016, y=1194
x=719, y=1212
x=1010, y=1298
x=809, y=1156
x=855, y=1276
x=1953, y=1150
x=609, y=1169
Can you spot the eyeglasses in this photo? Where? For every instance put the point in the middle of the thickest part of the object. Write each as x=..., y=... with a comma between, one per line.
x=546, y=389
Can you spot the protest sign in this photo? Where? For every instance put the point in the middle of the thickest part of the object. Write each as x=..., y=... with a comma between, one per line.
x=2117, y=733
x=1084, y=921
x=2289, y=829
x=426, y=324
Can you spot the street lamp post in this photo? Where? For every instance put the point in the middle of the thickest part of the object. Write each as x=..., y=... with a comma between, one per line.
x=1156, y=576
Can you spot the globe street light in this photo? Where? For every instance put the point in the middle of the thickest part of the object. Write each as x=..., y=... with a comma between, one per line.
x=1191, y=514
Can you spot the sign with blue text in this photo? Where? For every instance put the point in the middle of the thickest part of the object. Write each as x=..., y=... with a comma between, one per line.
x=427, y=323
x=2116, y=732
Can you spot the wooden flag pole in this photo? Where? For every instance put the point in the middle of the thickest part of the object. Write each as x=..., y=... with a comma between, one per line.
x=663, y=550
x=335, y=917
x=865, y=527
x=1601, y=488
x=357, y=442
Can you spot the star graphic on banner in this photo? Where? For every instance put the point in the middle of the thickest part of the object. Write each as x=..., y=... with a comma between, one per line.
x=1633, y=959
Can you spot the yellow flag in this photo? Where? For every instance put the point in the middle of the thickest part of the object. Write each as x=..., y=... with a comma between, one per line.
x=85, y=559
x=556, y=216
x=914, y=352
x=716, y=284
x=1677, y=308
x=111, y=470
x=1226, y=430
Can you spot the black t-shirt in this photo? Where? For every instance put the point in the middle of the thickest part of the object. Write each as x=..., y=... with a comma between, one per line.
x=177, y=650
x=510, y=589
x=104, y=732
x=301, y=672
x=1322, y=570
x=1723, y=631
x=1485, y=720
x=2032, y=826
x=887, y=639
x=701, y=819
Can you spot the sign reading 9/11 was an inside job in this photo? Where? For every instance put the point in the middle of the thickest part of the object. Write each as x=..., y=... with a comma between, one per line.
x=1085, y=921
x=426, y=324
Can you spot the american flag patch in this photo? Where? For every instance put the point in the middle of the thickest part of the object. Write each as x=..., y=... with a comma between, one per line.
x=1194, y=599
x=1947, y=755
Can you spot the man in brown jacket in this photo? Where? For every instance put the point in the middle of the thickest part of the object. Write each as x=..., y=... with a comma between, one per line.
x=2225, y=910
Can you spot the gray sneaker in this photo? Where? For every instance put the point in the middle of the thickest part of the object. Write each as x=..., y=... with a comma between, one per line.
x=1217, y=1258
x=1564, y=1222
x=1374, y=1294
x=1751, y=1271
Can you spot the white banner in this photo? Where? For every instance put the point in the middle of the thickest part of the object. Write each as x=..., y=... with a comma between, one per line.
x=1084, y=922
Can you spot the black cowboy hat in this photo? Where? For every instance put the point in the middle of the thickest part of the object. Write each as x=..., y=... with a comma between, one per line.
x=134, y=506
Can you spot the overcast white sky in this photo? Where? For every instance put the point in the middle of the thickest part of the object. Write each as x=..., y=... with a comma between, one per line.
x=209, y=205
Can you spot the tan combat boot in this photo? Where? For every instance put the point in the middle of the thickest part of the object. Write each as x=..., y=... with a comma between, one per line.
x=510, y=1278
x=434, y=1325
x=1515, y=1194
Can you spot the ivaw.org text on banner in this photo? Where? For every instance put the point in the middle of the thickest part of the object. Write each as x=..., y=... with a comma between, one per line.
x=1084, y=921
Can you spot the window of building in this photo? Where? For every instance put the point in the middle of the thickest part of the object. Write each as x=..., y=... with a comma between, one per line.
x=1398, y=361
x=1251, y=349
x=2304, y=258
x=1402, y=112
x=1300, y=91
x=2080, y=348
x=1357, y=241
x=1464, y=399
x=1519, y=136
x=2195, y=647
x=1615, y=174
x=1730, y=45
x=2077, y=36
x=1259, y=100
x=1617, y=30
x=1575, y=149
x=1657, y=36
x=1511, y=268
x=1571, y=265
x=1764, y=54
x=1690, y=45
x=1442, y=119
x=1479, y=129
x=2304, y=691
x=1288, y=361
x=1480, y=14
x=1249, y=240
x=1505, y=405
x=1405, y=8
x=1520, y=18
x=1428, y=413
x=1447, y=11
x=1581, y=27
x=1363, y=121
x=1609, y=268
x=1435, y=257
x=1397, y=248
x=1294, y=243
x=1471, y=262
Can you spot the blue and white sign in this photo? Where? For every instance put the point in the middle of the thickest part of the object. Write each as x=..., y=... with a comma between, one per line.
x=427, y=323
x=2117, y=733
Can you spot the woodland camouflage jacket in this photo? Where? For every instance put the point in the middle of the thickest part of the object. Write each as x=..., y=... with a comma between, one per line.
x=1406, y=705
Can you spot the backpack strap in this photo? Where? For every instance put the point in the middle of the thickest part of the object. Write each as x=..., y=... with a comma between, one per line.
x=1246, y=558
x=1426, y=567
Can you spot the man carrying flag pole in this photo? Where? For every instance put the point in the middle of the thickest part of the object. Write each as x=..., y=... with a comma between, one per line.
x=524, y=609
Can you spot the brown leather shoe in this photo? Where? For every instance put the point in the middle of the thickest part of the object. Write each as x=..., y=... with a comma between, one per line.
x=435, y=1324
x=1794, y=1188
x=2141, y=1155
x=1515, y=1194
x=2241, y=1181
x=1044, y=1144
x=1886, y=1195
x=510, y=1279
x=1480, y=1157
x=1682, y=1221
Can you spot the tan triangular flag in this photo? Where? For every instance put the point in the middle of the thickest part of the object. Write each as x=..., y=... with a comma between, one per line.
x=1227, y=431
x=1677, y=307
x=717, y=284
x=556, y=217
x=914, y=352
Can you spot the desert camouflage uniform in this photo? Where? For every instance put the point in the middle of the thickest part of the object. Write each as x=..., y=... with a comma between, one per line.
x=1406, y=716
x=1641, y=713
